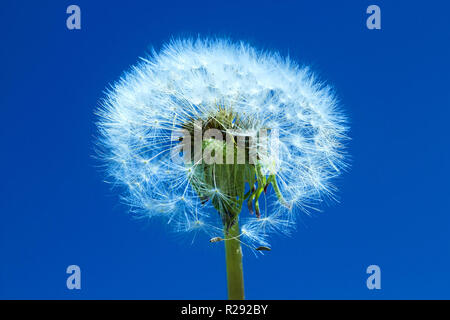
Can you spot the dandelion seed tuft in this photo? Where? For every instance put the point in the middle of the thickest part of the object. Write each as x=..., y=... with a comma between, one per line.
x=239, y=92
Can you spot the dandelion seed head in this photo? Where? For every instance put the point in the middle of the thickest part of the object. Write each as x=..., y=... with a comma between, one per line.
x=187, y=80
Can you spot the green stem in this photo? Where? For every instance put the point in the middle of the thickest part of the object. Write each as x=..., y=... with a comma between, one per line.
x=233, y=254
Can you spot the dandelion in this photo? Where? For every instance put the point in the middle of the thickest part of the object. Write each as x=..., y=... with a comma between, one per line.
x=206, y=130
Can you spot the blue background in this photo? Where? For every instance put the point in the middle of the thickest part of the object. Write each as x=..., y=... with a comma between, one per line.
x=394, y=202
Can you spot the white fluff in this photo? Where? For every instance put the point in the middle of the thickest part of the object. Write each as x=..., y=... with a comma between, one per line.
x=187, y=79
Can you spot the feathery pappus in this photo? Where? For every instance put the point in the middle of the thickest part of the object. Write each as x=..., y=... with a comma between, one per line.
x=240, y=94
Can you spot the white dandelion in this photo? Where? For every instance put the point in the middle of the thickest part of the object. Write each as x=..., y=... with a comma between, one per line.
x=228, y=96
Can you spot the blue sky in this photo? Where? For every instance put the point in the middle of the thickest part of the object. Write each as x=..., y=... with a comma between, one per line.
x=394, y=204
